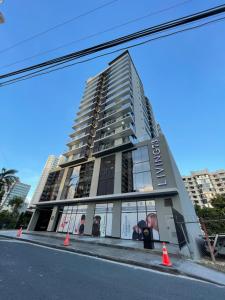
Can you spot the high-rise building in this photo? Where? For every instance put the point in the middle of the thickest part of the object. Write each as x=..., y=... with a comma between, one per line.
x=18, y=189
x=203, y=185
x=50, y=165
x=119, y=175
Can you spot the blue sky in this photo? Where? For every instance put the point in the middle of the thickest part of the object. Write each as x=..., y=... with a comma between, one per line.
x=183, y=76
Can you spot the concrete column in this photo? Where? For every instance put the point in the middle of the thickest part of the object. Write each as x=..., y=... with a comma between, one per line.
x=33, y=220
x=53, y=219
x=118, y=173
x=62, y=183
x=116, y=219
x=95, y=176
x=89, y=218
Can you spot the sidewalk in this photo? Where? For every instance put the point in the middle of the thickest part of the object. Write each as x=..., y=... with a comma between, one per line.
x=128, y=252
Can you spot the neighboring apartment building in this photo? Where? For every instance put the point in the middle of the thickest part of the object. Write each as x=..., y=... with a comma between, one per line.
x=18, y=189
x=203, y=185
x=50, y=165
x=119, y=175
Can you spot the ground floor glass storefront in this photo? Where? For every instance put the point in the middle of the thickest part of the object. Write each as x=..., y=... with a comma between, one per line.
x=135, y=215
x=73, y=219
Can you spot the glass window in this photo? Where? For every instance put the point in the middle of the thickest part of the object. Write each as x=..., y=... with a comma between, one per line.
x=78, y=181
x=102, y=222
x=136, y=216
x=136, y=175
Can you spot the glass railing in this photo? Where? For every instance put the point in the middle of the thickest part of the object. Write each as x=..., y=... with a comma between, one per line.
x=119, y=83
x=115, y=120
x=125, y=88
x=123, y=99
x=115, y=131
x=120, y=69
x=115, y=111
x=117, y=78
x=107, y=146
x=120, y=65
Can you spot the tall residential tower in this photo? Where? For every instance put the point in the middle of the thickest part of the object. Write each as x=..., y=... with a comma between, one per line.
x=50, y=165
x=118, y=175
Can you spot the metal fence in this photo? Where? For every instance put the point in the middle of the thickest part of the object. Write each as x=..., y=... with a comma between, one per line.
x=212, y=239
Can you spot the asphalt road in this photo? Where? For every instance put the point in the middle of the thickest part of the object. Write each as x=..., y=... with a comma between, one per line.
x=32, y=272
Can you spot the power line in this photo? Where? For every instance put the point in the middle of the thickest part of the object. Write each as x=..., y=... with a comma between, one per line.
x=57, y=26
x=97, y=33
x=40, y=73
x=124, y=39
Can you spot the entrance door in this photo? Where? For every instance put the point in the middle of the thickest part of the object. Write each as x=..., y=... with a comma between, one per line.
x=43, y=220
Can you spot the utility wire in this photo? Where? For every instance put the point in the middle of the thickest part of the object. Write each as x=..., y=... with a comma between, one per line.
x=97, y=33
x=136, y=35
x=57, y=26
x=40, y=73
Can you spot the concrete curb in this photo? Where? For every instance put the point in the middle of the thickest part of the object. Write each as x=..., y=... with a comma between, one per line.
x=160, y=268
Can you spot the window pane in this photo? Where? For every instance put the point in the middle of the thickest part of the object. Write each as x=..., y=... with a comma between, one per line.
x=141, y=167
x=144, y=154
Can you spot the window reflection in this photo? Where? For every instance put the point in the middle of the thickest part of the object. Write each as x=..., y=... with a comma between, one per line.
x=78, y=181
x=136, y=175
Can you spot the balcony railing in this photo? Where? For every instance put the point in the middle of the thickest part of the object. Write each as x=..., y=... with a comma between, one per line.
x=117, y=132
x=111, y=145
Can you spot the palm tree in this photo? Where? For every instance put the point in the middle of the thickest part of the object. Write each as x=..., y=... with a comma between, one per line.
x=16, y=203
x=7, y=178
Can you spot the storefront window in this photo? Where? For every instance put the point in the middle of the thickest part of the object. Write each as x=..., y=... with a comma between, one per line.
x=73, y=219
x=136, y=175
x=135, y=217
x=102, y=222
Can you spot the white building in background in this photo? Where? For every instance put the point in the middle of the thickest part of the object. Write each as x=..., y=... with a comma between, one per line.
x=18, y=189
x=203, y=185
x=50, y=165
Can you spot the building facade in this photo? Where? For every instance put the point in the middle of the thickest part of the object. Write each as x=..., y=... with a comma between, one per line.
x=50, y=165
x=18, y=189
x=118, y=175
x=203, y=185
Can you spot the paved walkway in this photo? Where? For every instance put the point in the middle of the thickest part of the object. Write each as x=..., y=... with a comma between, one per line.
x=128, y=252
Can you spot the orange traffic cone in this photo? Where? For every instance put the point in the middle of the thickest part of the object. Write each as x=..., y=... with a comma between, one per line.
x=165, y=257
x=67, y=240
x=19, y=232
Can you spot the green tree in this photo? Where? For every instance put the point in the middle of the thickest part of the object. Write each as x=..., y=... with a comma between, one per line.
x=7, y=220
x=218, y=202
x=213, y=217
x=16, y=203
x=7, y=178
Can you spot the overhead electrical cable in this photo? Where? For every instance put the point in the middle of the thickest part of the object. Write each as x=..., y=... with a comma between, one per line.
x=39, y=73
x=57, y=26
x=137, y=35
x=97, y=33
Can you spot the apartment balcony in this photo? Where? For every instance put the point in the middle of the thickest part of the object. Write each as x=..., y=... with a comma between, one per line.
x=111, y=81
x=79, y=130
x=118, y=132
x=117, y=102
x=87, y=119
x=114, y=122
x=118, y=83
x=118, y=70
x=76, y=158
x=116, y=112
x=120, y=88
x=83, y=137
x=101, y=148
